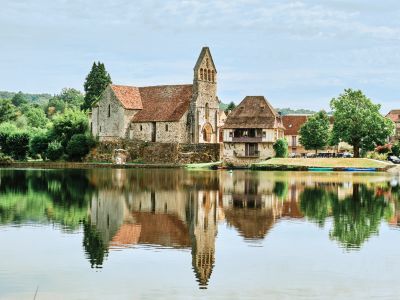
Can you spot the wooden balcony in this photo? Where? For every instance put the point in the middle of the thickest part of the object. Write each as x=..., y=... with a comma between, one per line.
x=247, y=139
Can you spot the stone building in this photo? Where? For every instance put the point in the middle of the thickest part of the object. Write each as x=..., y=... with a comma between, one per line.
x=292, y=125
x=167, y=113
x=250, y=131
x=394, y=115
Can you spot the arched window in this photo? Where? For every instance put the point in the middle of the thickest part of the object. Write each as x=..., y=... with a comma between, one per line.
x=201, y=74
x=207, y=111
x=212, y=76
x=209, y=75
x=109, y=110
x=205, y=74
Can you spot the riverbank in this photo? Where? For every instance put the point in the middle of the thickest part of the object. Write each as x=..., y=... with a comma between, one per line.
x=338, y=164
x=83, y=165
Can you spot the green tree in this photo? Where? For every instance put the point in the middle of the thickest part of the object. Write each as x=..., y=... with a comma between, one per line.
x=281, y=148
x=38, y=144
x=67, y=124
x=358, y=122
x=231, y=106
x=96, y=82
x=19, y=99
x=78, y=147
x=35, y=117
x=314, y=134
x=55, y=150
x=8, y=112
x=68, y=98
x=18, y=145
x=396, y=149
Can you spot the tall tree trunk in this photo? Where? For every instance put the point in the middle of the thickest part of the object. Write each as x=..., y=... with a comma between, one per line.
x=356, y=151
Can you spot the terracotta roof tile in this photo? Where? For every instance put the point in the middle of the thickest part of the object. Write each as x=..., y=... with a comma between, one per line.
x=129, y=96
x=253, y=112
x=163, y=103
x=293, y=123
x=394, y=115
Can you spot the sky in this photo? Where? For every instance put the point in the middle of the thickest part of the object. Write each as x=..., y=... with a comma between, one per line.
x=298, y=54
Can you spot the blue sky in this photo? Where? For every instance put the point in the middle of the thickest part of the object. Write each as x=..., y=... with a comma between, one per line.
x=296, y=53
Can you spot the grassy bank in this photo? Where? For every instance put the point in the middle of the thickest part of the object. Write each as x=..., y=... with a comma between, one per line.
x=83, y=165
x=324, y=163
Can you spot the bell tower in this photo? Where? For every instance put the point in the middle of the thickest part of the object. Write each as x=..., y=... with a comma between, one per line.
x=205, y=105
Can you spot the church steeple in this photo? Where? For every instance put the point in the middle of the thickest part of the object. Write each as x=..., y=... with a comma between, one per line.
x=205, y=69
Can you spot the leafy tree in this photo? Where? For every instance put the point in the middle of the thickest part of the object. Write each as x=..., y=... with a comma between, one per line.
x=231, y=106
x=78, y=147
x=396, y=149
x=55, y=150
x=18, y=145
x=358, y=122
x=38, y=144
x=35, y=116
x=68, y=98
x=19, y=99
x=315, y=204
x=6, y=129
x=96, y=250
x=96, y=82
x=281, y=148
x=8, y=112
x=314, y=134
x=69, y=123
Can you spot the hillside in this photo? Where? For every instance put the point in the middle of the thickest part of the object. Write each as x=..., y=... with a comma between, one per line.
x=36, y=98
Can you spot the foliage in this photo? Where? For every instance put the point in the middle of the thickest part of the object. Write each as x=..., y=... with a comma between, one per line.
x=68, y=98
x=94, y=246
x=35, y=116
x=281, y=189
x=314, y=134
x=5, y=130
x=289, y=111
x=96, y=82
x=377, y=156
x=31, y=98
x=5, y=159
x=315, y=204
x=281, y=148
x=70, y=123
x=17, y=145
x=231, y=106
x=396, y=149
x=55, y=150
x=38, y=144
x=19, y=99
x=79, y=146
x=358, y=121
x=8, y=112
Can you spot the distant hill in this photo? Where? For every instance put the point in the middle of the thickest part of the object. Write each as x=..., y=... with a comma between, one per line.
x=289, y=111
x=36, y=98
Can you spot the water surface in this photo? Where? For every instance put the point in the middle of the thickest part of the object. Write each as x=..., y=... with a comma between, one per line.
x=179, y=234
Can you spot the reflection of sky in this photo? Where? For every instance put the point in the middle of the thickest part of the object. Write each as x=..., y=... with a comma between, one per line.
x=296, y=259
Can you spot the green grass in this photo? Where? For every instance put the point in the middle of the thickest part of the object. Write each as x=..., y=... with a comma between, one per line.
x=325, y=162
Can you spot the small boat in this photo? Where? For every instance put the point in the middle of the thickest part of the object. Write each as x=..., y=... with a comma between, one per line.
x=320, y=169
x=359, y=169
x=203, y=165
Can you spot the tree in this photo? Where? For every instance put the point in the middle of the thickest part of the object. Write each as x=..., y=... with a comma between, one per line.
x=19, y=99
x=96, y=82
x=35, y=116
x=38, y=144
x=358, y=122
x=55, y=150
x=68, y=98
x=281, y=148
x=314, y=134
x=78, y=147
x=230, y=107
x=8, y=112
x=18, y=145
x=396, y=149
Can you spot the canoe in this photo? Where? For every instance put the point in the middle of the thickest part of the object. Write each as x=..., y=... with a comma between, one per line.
x=320, y=169
x=359, y=169
x=203, y=165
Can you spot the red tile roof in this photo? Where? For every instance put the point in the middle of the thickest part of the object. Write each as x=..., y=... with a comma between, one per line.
x=394, y=115
x=164, y=103
x=129, y=96
x=292, y=123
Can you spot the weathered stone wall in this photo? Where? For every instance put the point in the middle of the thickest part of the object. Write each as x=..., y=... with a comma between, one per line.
x=233, y=151
x=148, y=152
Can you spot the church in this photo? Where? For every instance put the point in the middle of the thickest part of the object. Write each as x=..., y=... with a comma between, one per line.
x=185, y=113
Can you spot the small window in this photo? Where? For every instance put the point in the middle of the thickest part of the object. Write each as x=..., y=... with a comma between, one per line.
x=100, y=129
x=209, y=75
x=205, y=74
x=109, y=110
x=166, y=127
x=230, y=133
x=141, y=127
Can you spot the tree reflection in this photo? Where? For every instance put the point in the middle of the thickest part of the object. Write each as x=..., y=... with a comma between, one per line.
x=94, y=246
x=315, y=203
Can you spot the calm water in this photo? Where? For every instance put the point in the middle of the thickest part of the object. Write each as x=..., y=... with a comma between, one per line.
x=177, y=234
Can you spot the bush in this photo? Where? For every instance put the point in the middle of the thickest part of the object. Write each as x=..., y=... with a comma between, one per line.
x=55, y=150
x=383, y=149
x=71, y=122
x=396, y=149
x=377, y=156
x=17, y=144
x=39, y=144
x=281, y=148
x=79, y=146
x=6, y=129
x=5, y=159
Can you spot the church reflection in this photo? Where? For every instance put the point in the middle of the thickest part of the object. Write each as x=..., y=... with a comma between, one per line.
x=181, y=209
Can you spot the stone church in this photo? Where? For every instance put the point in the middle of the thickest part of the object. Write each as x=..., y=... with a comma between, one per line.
x=167, y=113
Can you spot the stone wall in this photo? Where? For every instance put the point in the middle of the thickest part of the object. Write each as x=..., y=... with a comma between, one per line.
x=234, y=153
x=148, y=152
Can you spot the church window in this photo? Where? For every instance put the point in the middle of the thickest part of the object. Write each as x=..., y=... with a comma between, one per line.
x=201, y=74
x=166, y=127
x=209, y=75
x=205, y=74
x=109, y=110
x=207, y=111
x=212, y=76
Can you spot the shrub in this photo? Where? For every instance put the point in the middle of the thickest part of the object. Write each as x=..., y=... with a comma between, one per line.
x=383, y=149
x=6, y=129
x=79, y=146
x=377, y=156
x=396, y=149
x=55, y=150
x=39, y=144
x=17, y=144
x=281, y=148
x=5, y=159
